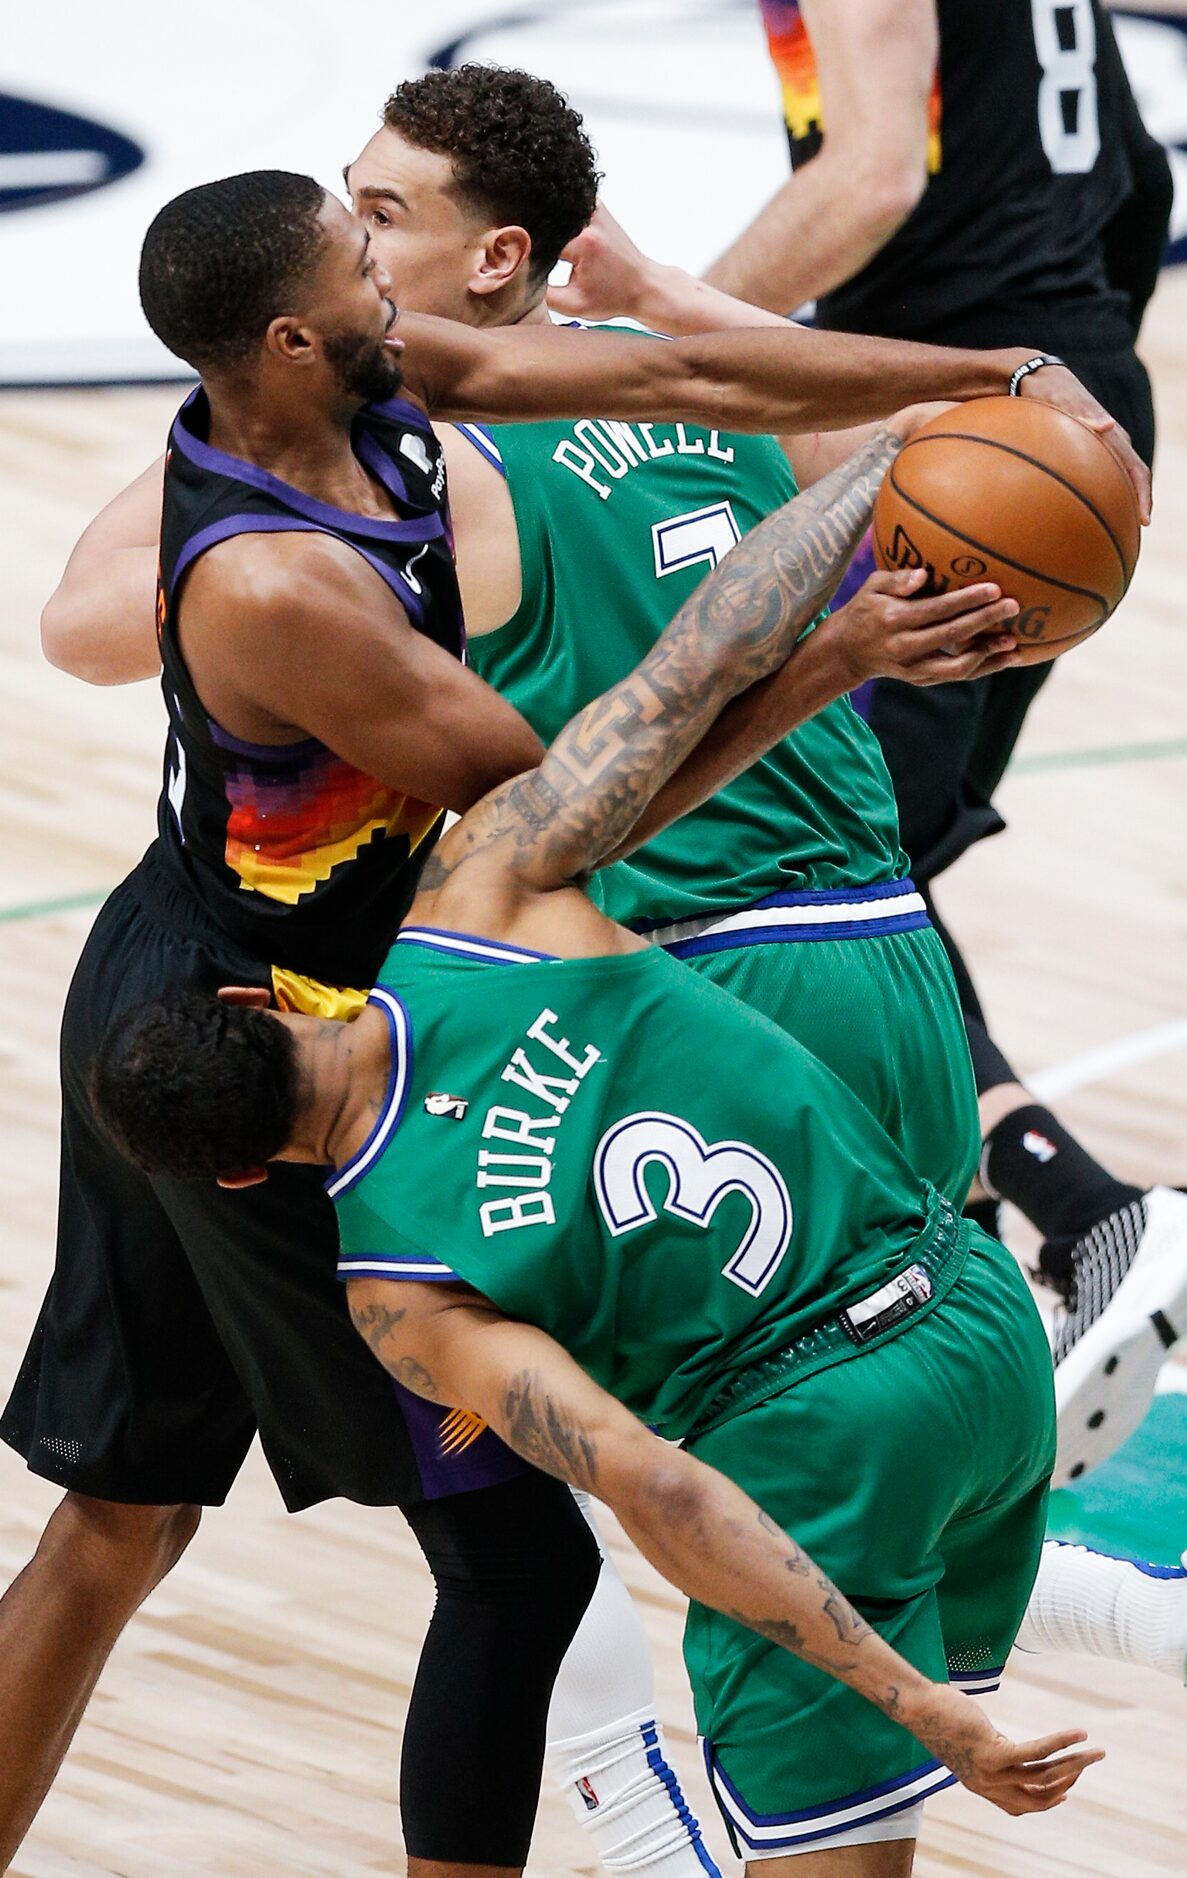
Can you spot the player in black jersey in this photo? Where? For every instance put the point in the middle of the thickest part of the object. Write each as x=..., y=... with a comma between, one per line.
x=309, y=635
x=292, y=823
x=975, y=175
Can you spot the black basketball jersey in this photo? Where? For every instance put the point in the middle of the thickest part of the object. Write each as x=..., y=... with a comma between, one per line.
x=304, y=860
x=1027, y=163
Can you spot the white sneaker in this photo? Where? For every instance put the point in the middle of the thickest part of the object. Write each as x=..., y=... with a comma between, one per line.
x=1130, y=1306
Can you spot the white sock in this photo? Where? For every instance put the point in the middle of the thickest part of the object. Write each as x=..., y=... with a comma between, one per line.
x=1085, y=1603
x=606, y=1747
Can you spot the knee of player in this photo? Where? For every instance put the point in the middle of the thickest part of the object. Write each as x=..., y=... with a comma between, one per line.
x=129, y=1548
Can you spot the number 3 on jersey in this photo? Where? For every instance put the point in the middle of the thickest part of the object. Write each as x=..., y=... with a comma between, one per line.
x=701, y=535
x=699, y=1177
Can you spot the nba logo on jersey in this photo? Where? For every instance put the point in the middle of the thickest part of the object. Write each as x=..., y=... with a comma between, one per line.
x=438, y=1103
x=587, y=1793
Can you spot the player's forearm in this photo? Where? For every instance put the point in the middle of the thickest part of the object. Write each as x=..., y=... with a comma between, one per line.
x=747, y=728
x=789, y=379
x=712, y=1542
x=100, y=623
x=673, y=302
x=820, y=229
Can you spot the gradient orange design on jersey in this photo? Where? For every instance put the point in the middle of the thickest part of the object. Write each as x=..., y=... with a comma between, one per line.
x=287, y=833
x=795, y=62
x=460, y=1430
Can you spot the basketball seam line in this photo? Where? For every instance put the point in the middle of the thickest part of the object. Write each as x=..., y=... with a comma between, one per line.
x=992, y=443
x=1088, y=593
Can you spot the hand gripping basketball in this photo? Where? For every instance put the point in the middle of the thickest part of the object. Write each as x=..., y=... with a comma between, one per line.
x=888, y=631
x=1019, y=493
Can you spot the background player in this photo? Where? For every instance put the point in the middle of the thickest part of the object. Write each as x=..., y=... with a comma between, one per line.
x=571, y=1128
x=967, y=174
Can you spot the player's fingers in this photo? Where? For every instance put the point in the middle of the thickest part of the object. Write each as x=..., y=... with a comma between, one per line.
x=900, y=582
x=1064, y=1772
x=1026, y=1753
x=953, y=636
x=973, y=664
x=1121, y=444
x=936, y=607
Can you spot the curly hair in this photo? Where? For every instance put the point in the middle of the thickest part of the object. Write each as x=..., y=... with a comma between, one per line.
x=220, y=262
x=188, y=1085
x=517, y=148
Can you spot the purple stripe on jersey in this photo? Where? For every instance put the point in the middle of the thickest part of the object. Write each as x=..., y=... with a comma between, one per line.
x=399, y=410
x=370, y=451
x=261, y=752
x=424, y=528
x=231, y=525
x=483, y=1462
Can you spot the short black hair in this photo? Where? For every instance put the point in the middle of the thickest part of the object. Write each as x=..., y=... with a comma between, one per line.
x=186, y=1084
x=220, y=262
x=516, y=144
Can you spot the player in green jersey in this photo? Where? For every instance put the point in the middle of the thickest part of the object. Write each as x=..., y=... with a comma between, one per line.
x=607, y=1153
x=488, y=168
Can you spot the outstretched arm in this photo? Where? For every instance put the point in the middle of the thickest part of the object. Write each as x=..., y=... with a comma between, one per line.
x=702, y=1532
x=611, y=277
x=784, y=379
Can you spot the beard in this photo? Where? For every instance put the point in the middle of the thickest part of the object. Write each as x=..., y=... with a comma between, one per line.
x=363, y=367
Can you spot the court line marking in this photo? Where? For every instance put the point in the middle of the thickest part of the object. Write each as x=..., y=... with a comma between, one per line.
x=1105, y=1059
x=44, y=909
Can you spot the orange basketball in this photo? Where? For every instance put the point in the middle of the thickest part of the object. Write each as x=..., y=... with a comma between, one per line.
x=1014, y=491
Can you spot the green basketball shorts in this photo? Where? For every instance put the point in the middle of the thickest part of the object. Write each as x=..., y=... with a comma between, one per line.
x=859, y=976
x=915, y=1473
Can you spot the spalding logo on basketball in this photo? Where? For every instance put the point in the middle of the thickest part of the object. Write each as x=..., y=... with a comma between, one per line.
x=47, y=155
x=1014, y=491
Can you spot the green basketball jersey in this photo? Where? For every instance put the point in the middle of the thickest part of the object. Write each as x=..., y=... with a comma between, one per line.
x=617, y=525
x=616, y=1150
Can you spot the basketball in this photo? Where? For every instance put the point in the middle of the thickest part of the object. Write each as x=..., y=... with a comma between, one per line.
x=1014, y=491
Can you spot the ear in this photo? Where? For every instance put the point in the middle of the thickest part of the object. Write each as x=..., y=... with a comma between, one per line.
x=244, y=1177
x=504, y=257
x=255, y=997
x=289, y=339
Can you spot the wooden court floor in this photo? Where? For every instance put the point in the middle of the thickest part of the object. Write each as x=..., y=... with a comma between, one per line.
x=249, y=1722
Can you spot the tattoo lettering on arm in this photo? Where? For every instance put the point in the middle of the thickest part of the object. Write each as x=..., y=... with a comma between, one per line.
x=741, y=625
x=851, y=1629
x=377, y=1324
x=537, y=1426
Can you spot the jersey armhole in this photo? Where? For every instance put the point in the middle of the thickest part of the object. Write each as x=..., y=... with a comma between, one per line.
x=533, y=542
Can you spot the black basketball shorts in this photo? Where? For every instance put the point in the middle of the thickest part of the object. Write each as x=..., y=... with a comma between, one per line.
x=181, y=1318
x=947, y=746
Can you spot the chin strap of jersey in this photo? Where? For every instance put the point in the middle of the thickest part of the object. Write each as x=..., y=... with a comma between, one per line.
x=1014, y=389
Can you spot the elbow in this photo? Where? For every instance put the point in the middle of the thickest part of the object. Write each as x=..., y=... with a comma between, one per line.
x=885, y=194
x=62, y=645
x=664, y=1495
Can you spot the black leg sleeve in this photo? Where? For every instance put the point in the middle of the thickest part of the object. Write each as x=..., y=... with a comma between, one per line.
x=515, y=1566
x=990, y=1067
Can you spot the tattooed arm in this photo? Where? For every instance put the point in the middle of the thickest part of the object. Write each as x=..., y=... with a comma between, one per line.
x=563, y=818
x=702, y=1532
